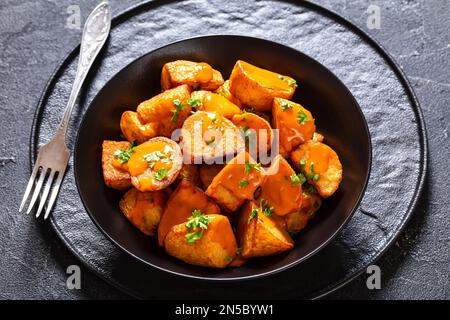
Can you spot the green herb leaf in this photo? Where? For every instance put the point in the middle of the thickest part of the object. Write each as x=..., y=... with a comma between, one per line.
x=285, y=105
x=264, y=206
x=293, y=83
x=295, y=179
x=124, y=155
x=249, y=166
x=238, y=251
x=253, y=215
x=243, y=183
x=194, y=103
x=312, y=189
x=194, y=236
x=160, y=174
x=197, y=220
x=178, y=107
x=302, y=178
x=229, y=259
x=316, y=177
x=302, y=117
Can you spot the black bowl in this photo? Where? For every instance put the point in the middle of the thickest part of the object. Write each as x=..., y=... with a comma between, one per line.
x=337, y=115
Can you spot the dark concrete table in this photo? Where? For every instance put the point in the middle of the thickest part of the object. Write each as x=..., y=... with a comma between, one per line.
x=34, y=37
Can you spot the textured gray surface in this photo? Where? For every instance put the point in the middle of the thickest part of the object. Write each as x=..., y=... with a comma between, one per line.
x=416, y=268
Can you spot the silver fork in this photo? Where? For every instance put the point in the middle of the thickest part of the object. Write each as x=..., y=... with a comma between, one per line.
x=53, y=157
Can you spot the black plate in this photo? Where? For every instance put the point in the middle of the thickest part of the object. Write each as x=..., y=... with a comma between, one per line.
x=332, y=105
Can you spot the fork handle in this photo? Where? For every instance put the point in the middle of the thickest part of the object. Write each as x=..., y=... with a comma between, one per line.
x=95, y=33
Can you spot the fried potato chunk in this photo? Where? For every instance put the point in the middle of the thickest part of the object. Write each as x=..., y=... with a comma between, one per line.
x=115, y=173
x=143, y=209
x=260, y=235
x=224, y=90
x=208, y=172
x=215, y=247
x=320, y=164
x=281, y=188
x=155, y=164
x=134, y=130
x=236, y=182
x=185, y=199
x=198, y=75
x=297, y=221
x=260, y=134
x=166, y=111
x=294, y=122
x=213, y=102
x=206, y=137
x=255, y=87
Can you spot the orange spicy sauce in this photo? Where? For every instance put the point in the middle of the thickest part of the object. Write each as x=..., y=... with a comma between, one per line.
x=292, y=130
x=278, y=189
x=238, y=180
x=140, y=162
x=203, y=72
x=267, y=78
x=213, y=102
x=313, y=153
x=220, y=232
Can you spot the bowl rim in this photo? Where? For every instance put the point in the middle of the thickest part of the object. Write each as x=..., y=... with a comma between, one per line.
x=238, y=278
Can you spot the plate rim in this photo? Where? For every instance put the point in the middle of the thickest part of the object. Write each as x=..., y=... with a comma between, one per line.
x=370, y=40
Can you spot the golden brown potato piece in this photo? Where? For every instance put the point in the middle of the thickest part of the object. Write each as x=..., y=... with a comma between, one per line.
x=262, y=134
x=189, y=172
x=143, y=209
x=185, y=199
x=282, y=188
x=198, y=75
x=294, y=122
x=215, y=247
x=255, y=87
x=207, y=136
x=166, y=111
x=155, y=164
x=318, y=137
x=296, y=221
x=115, y=173
x=320, y=165
x=208, y=172
x=134, y=130
x=224, y=90
x=236, y=182
x=213, y=102
x=260, y=235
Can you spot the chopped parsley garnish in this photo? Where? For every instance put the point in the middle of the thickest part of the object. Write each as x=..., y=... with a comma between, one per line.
x=229, y=259
x=302, y=117
x=160, y=174
x=178, y=107
x=238, y=251
x=302, y=163
x=298, y=179
x=196, y=223
x=285, y=105
x=253, y=215
x=194, y=103
x=124, y=155
x=291, y=82
x=243, y=183
x=194, y=236
x=264, y=205
x=154, y=156
x=249, y=166
x=312, y=175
